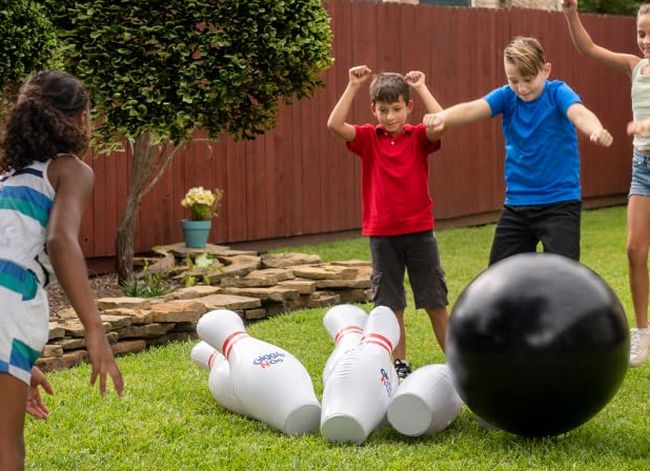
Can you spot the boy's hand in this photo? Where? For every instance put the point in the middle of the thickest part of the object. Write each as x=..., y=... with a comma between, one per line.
x=601, y=137
x=35, y=405
x=638, y=128
x=103, y=363
x=414, y=78
x=434, y=122
x=359, y=74
x=569, y=5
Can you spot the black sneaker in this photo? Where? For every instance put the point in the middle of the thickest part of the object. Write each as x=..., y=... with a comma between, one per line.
x=402, y=368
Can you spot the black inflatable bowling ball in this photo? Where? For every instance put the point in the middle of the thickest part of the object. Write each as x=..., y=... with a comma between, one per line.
x=537, y=344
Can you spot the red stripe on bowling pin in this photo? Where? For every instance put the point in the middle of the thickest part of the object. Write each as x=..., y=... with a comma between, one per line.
x=381, y=344
x=231, y=340
x=346, y=330
x=379, y=340
x=213, y=355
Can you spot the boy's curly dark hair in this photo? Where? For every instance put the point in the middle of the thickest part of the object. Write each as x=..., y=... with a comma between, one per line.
x=41, y=123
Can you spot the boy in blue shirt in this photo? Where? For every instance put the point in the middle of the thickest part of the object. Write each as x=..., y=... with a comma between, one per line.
x=542, y=167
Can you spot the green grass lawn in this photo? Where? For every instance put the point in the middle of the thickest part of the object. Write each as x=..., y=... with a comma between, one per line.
x=168, y=420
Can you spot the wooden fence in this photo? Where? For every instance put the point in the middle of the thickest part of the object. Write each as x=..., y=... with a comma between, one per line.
x=298, y=179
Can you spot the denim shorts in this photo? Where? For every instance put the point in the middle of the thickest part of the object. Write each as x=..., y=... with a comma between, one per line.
x=640, y=184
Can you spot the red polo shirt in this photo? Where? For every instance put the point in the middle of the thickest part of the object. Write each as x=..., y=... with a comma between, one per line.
x=395, y=179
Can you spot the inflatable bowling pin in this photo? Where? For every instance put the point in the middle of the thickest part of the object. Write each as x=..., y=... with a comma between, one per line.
x=425, y=403
x=344, y=323
x=358, y=390
x=219, y=381
x=271, y=384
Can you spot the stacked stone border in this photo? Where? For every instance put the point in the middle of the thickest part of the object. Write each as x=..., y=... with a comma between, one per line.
x=256, y=286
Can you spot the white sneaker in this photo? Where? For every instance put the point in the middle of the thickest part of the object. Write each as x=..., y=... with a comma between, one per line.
x=639, y=342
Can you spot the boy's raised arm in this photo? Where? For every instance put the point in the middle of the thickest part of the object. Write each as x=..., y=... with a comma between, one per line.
x=416, y=81
x=589, y=124
x=336, y=121
x=586, y=46
x=462, y=113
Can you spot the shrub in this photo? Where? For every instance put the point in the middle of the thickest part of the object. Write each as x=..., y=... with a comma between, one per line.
x=28, y=42
x=170, y=67
x=612, y=7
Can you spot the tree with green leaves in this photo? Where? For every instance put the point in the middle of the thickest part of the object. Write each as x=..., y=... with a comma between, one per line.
x=159, y=70
x=611, y=7
x=28, y=42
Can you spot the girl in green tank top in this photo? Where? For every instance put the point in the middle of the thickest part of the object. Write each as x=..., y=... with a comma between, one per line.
x=638, y=209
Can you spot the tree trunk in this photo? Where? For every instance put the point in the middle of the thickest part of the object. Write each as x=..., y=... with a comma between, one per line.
x=149, y=163
x=140, y=173
x=124, y=242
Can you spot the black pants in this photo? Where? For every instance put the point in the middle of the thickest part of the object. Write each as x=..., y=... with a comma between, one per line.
x=521, y=228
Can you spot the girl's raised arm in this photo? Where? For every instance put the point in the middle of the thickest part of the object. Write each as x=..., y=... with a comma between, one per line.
x=624, y=63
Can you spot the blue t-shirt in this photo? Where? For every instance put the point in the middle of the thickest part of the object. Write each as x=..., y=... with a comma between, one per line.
x=542, y=161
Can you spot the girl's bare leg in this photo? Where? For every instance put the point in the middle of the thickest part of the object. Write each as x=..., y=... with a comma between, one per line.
x=13, y=402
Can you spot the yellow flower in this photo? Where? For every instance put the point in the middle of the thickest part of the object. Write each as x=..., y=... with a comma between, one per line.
x=203, y=203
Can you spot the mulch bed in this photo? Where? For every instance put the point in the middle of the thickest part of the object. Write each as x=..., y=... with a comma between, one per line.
x=102, y=286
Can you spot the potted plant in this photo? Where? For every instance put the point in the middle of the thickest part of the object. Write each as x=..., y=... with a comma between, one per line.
x=203, y=205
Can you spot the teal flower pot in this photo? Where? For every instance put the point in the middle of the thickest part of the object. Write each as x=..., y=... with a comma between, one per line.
x=196, y=232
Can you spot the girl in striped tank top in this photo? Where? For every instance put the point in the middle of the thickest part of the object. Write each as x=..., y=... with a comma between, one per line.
x=44, y=188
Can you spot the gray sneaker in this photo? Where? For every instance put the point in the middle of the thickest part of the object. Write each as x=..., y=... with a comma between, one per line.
x=639, y=342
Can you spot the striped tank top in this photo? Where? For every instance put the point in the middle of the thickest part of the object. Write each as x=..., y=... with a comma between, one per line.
x=26, y=198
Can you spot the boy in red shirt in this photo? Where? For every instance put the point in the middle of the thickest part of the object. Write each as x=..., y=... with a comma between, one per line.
x=396, y=206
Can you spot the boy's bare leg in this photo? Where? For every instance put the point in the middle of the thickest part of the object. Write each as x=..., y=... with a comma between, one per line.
x=13, y=403
x=400, y=350
x=439, y=320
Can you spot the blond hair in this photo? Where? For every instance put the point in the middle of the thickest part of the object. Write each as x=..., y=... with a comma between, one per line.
x=526, y=54
x=387, y=87
x=643, y=9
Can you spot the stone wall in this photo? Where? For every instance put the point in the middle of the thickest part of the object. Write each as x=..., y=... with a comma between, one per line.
x=253, y=285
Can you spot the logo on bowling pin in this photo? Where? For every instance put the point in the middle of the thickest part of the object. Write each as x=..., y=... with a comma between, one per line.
x=268, y=359
x=385, y=380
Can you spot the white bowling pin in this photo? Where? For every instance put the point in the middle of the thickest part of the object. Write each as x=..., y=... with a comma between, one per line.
x=358, y=390
x=425, y=403
x=219, y=381
x=344, y=323
x=271, y=384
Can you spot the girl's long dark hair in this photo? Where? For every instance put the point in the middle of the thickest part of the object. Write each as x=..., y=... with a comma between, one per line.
x=41, y=123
